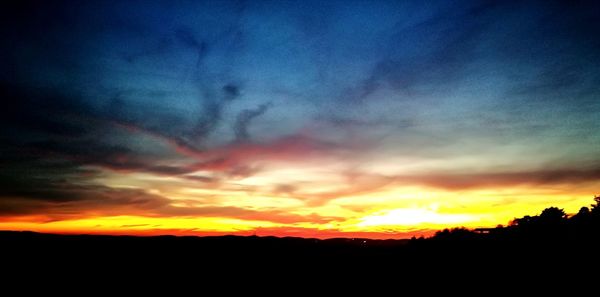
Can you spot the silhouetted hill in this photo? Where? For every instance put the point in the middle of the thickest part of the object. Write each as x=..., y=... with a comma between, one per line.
x=547, y=244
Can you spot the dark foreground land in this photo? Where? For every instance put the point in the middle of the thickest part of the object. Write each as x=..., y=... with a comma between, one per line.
x=548, y=246
x=230, y=263
x=269, y=264
x=453, y=247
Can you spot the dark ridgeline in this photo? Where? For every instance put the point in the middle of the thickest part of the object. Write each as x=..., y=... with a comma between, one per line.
x=551, y=240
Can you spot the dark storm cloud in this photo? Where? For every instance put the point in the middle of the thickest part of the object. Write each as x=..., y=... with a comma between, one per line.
x=84, y=200
x=82, y=135
x=41, y=110
x=231, y=91
x=41, y=182
x=113, y=157
x=36, y=184
x=244, y=118
x=60, y=189
x=66, y=29
x=211, y=117
x=213, y=107
x=64, y=194
x=47, y=123
x=100, y=200
x=46, y=128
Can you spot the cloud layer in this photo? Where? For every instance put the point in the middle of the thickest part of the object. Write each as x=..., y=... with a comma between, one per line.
x=275, y=111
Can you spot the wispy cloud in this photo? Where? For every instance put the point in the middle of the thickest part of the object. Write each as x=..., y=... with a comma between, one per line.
x=272, y=111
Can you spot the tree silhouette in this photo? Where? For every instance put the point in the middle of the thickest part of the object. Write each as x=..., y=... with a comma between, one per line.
x=596, y=206
x=552, y=216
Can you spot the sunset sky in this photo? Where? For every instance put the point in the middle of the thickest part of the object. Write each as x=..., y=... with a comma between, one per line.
x=380, y=119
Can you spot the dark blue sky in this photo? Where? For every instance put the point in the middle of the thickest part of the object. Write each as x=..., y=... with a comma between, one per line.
x=228, y=94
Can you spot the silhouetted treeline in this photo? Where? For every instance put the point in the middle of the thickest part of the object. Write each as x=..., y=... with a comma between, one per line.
x=552, y=224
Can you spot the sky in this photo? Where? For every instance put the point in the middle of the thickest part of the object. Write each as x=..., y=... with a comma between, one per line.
x=378, y=119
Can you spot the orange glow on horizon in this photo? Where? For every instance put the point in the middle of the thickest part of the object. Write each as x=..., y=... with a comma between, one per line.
x=389, y=213
x=380, y=120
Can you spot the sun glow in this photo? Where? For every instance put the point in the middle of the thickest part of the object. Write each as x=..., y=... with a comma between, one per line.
x=414, y=217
